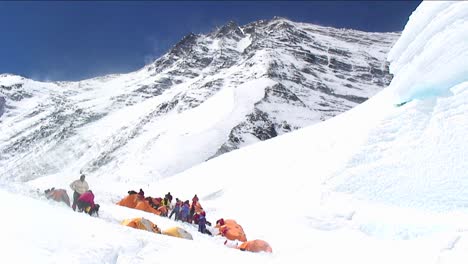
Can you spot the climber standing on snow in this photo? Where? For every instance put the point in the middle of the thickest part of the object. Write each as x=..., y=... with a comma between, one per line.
x=195, y=199
x=184, y=211
x=202, y=223
x=176, y=209
x=79, y=187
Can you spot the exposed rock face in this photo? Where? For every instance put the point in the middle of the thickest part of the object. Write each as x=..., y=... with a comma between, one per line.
x=208, y=95
x=2, y=105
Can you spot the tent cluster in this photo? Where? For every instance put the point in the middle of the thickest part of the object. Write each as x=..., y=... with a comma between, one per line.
x=183, y=211
x=190, y=213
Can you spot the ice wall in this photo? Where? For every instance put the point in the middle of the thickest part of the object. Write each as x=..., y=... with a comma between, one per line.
x=431, y=56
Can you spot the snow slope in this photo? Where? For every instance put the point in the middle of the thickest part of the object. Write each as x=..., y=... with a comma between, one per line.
x=382, y=183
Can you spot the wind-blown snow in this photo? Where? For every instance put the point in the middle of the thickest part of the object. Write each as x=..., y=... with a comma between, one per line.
x=378, y=184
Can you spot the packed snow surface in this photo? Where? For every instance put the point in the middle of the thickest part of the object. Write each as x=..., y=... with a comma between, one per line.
x=384, y=182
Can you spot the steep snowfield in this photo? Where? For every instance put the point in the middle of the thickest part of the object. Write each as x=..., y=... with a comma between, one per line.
x=381, y=183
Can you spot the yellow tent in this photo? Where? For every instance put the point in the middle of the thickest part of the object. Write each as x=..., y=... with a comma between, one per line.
x=179, y=232
x=142, y=223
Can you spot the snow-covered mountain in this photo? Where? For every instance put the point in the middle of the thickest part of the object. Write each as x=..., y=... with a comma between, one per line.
x=208, y=95
x=384, y=182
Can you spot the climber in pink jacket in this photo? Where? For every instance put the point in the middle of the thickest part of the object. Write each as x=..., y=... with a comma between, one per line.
x=86, y=202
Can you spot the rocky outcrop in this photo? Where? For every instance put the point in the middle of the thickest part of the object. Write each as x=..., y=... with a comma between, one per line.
x=2, y=105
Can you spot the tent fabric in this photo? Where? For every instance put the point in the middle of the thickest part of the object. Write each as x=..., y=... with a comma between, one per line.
x=156, y=201
x=129, y=201
x=59, y=195
x=145, y=206
x=142, y=223
x=198, y=208
x=256, y=245
x=179, y=232
x=134, y=201
x=232, y=230
x=226, y=222
x=162, y=210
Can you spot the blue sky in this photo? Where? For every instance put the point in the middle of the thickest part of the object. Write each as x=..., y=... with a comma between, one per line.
x=77, y=40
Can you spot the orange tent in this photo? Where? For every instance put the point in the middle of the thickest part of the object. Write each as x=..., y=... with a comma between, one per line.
x=143, y=224
x=129, y=201
x=256, y=245
x=134, y=201
x=226, y=222
x=232, y=230
x=145, y=206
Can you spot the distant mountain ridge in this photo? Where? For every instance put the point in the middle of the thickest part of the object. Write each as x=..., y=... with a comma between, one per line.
x=208, y=95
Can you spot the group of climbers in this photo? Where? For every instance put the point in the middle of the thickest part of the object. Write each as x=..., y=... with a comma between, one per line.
x=182, y=210
x=83, y=197
x=193, y=213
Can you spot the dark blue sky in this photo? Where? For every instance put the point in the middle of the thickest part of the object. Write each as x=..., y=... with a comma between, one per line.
x=77, y=40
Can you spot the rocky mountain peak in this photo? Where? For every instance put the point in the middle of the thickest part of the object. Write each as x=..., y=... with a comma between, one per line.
x=230, y=30
x=2, y=105
x=185, y=45
x=214, y=93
